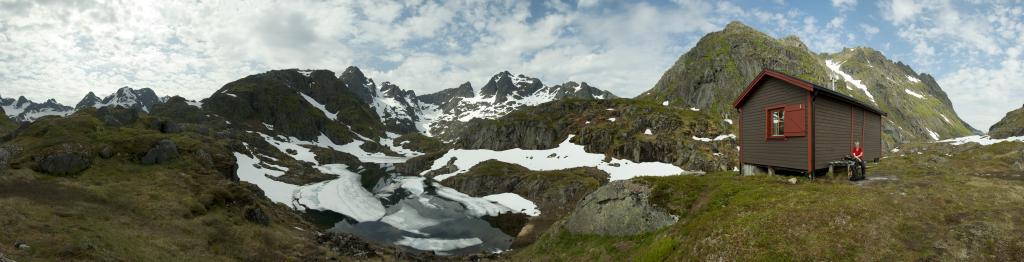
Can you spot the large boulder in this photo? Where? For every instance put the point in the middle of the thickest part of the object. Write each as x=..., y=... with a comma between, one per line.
x=66, y=159
x=620, y=208
x=163, y=152
x=5, y=157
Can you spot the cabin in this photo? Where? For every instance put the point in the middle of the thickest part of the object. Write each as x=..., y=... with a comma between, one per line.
x=788, y=124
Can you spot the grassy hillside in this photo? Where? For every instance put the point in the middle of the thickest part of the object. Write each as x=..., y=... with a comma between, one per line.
x=1011, y=125
x=118, y=209
x=945, y=203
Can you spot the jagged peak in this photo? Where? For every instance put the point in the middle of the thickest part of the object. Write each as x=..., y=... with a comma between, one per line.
x=353, y=70
x=737, y=25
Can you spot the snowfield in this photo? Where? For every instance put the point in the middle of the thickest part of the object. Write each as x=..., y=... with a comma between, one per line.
x=566, y=155
x=983, y=140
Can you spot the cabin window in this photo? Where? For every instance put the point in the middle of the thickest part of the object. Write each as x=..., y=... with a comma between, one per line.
x=777, y=123
x=784, y=121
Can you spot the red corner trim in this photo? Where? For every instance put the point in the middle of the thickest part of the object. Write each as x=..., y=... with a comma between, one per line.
x=810, y=134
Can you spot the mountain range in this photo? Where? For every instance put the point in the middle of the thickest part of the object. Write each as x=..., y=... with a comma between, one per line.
x=301, y=159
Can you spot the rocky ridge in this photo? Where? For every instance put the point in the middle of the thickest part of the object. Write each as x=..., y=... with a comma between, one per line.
x=713, y=73
x=1011, y=125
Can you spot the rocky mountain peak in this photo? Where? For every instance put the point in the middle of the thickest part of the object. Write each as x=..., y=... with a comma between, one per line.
x=444, y=96
x=505, y=84
x=142, y=99
x=359, y=84
x=22, y=101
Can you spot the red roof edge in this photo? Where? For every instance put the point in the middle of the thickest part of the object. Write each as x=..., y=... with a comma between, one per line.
x=773, y=74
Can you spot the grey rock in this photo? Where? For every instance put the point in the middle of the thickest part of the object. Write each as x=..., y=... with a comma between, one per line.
x=21, y=245
x=5, y=158
x=107, y=152
x=620, y=208
x=256, y=215
x=163, y=152
x=444, y=96
x=5, y=259
x=1016, y=165
x=68, y=160
x=164, y=126
x=204, y=157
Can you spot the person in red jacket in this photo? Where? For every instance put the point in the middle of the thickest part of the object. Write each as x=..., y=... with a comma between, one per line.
x=858, y=155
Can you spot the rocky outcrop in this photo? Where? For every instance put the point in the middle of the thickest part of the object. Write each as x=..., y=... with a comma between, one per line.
x=117, y=116
x=163, y=152
x=554, y=192
x=444, y=96
x=1011, y=125
x=180, y=110
x=164, y=126
x=620, y=208
x=64, y=159
x=256, y=215
x=5, y=159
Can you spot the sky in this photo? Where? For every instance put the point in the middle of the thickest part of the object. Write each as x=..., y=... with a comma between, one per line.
x=65, y=48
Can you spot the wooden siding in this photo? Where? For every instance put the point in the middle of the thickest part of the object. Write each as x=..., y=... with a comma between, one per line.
x=872, y=136
x=831, y=130
x=788, y=153
x=837, y=125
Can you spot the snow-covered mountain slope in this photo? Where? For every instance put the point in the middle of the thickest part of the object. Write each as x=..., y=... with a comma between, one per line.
x=504, y=92
x=402, y=111
x=142, y=99
x=25, y=110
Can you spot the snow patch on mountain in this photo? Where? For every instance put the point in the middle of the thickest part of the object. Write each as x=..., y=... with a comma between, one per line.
x=911, y=92
x=935, y=136
x=982, y=140
x=835, y=67
x=717, y=138
x=566, y=155
x=318, y=105
x=913, y=79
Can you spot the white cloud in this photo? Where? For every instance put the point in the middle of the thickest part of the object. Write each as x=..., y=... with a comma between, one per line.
x=844, y=4
x=587, y=3
x=982, y=96
x=900, y=10
x=869, y=30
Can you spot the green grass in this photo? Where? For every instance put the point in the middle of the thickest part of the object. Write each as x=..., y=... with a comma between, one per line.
x=723, y=216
